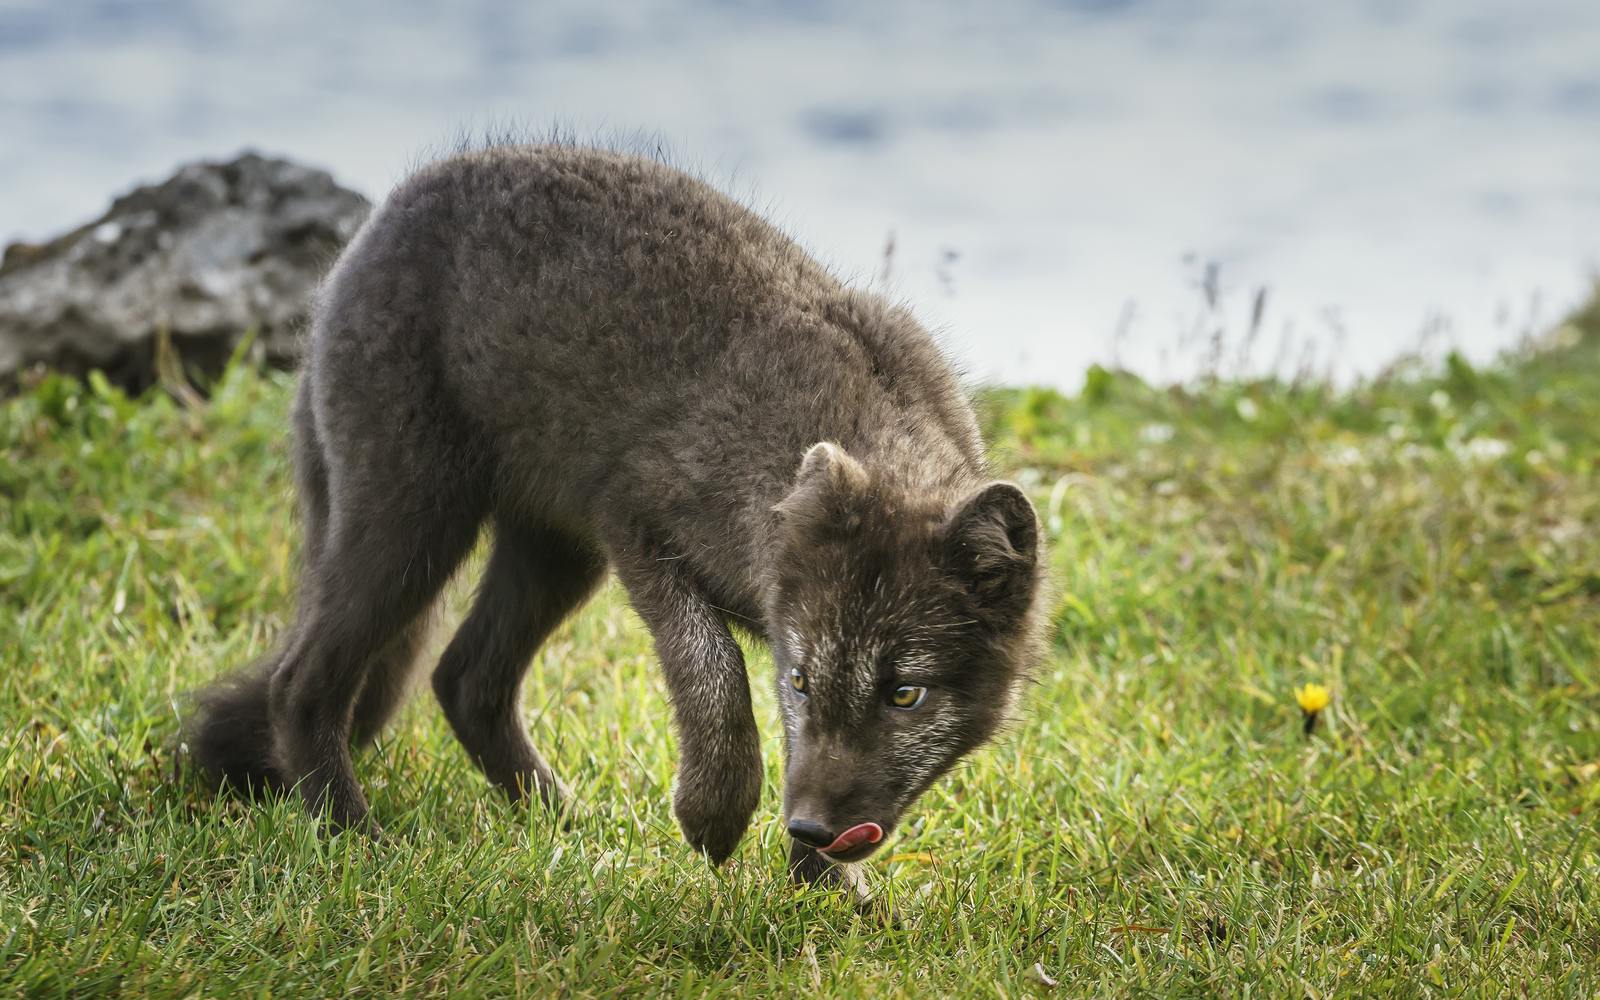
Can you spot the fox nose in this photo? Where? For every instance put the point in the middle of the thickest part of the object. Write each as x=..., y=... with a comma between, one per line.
x=810, y=832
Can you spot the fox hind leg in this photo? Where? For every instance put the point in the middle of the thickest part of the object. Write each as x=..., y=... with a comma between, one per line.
x=536, y=576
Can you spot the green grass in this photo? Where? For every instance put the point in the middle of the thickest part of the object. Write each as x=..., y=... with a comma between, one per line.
x=1157, y=822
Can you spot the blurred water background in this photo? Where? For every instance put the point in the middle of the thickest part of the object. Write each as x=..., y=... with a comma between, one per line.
x=1062, y=183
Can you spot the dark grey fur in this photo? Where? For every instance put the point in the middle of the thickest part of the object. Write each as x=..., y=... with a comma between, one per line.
x=617, y=365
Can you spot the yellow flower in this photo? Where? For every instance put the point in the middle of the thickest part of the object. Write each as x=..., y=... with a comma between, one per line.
x=1313, y=698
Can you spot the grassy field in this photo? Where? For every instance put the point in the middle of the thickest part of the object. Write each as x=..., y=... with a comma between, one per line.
x=1157, y=823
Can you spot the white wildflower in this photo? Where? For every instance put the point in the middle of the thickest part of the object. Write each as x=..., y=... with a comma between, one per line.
x=1345, y=456
x=1482, y=449
x=1567, y=337
x=1156, y=433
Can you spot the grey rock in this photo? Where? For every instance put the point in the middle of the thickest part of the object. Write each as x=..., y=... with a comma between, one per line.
x=215, y=251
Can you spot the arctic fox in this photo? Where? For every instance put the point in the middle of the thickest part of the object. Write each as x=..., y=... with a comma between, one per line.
x=620, y=368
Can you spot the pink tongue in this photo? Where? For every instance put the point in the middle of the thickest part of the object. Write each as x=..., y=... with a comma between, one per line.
x=861, y=833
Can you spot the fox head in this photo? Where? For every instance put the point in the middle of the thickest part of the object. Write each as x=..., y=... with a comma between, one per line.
x=902, y=628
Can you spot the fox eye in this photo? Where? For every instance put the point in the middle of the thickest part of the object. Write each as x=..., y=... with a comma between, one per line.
x=797, y=680
x=908, y=696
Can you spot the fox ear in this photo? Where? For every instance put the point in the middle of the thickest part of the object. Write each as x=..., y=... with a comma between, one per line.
x=827, y=474
x=828, y=459
x=992, y=543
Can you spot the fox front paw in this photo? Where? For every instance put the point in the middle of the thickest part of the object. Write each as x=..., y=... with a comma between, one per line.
x=714, y=806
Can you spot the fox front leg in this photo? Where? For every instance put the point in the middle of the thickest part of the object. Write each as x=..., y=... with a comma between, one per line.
x=719, y=748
